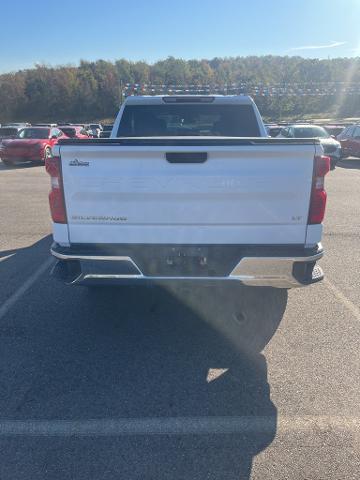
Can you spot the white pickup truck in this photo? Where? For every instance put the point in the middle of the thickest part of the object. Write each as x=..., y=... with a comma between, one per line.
x=188, y=187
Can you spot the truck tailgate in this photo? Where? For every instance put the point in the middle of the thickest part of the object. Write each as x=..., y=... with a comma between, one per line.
x=255, y=193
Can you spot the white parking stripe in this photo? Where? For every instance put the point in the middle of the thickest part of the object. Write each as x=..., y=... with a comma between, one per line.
x=7, y=256
x=10, y=302
x=181, y=426
x=343, y=299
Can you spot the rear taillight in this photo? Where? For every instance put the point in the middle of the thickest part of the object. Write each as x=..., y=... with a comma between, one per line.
x=318, y=194
x=56, y=195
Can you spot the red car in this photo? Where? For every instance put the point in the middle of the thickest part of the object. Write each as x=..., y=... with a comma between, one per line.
x=32, y=144
x=74, y=131
x=350, y=141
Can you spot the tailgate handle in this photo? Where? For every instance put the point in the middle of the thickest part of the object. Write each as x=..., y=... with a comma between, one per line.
x=186, y=157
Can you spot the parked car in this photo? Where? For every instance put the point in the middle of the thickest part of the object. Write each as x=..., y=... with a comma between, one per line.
x=95, y=129
x=273, y=130
x=331, y=146
x=350, y=141
x=106, y=132
x=32, y=144
x=74, y=131
x=9, y=132
x=334, y=130
x=178, y=199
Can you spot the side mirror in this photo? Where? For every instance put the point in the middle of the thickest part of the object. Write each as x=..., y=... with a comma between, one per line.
x=333, y=136
x=53, y=137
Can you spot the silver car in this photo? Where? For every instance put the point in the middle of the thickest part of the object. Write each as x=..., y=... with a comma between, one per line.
x=331, y=146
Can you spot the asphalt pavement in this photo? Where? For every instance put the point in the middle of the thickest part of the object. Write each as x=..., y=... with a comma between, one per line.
x=160, y=383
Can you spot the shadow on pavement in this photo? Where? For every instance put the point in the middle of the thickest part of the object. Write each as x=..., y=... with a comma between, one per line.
x=187, y=351
x=17, y=264
x=28, y=253
x=350, y=163
x=18, y=166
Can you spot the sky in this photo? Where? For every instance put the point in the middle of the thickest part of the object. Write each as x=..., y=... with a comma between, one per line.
x=58, y=33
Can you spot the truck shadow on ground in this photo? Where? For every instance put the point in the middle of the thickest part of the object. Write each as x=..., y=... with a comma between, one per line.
x=19, y=166
x=147, y=352
x=18, y=264
x=350, y=163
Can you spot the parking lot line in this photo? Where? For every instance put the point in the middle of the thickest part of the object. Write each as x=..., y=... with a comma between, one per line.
x=354, y=310
x=180, y=426
x=6, y=257
x=10, y=302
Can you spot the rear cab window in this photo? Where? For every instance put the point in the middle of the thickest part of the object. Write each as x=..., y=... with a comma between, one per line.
x=188, y=120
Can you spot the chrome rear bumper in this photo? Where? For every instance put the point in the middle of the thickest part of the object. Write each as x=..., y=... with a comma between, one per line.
x=74, y=267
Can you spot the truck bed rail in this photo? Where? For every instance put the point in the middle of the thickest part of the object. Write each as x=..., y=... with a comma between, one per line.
x=189, y=141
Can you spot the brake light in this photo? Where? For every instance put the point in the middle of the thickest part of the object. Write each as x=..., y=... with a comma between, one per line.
x=318, y=193
x=56, y=195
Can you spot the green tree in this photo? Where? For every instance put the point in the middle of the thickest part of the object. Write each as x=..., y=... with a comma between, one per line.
x=93, y=89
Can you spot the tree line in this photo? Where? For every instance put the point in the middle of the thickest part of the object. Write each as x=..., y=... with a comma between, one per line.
x=94, y=90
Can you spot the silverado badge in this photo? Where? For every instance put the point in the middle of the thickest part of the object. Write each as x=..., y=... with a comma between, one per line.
x=78, y=163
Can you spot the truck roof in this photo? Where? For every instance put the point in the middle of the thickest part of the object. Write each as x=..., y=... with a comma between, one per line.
x=161, y=99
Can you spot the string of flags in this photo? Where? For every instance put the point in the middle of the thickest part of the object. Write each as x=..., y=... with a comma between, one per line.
x=243, y=88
